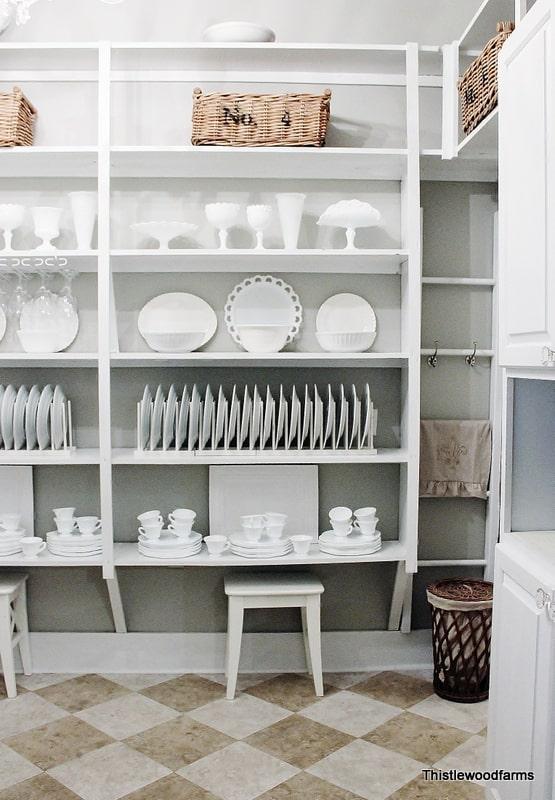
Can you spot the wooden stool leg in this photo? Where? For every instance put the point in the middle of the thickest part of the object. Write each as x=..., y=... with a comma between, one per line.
x=23, y=629
x=234, y=635
x=314, y=642
x=6, y=649
x=305, y=640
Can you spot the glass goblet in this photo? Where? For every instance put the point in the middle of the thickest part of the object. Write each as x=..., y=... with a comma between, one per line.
x=222, y=216
x=259, y=217
x=11, y=217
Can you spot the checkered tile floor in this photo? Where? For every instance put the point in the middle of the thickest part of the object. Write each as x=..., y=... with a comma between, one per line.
x=162, y=737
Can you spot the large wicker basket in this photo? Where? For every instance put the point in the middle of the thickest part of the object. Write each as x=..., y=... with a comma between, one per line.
x=478, y=85
x=260, y=120
x=17, y=117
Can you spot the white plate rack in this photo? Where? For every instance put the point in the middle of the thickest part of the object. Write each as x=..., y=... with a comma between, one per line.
x=255, y=419
x=38, y=421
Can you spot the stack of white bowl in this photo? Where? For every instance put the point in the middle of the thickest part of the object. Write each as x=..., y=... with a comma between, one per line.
x=74, y=537
x=178, y=540
x=11, y=534
x=351, y=534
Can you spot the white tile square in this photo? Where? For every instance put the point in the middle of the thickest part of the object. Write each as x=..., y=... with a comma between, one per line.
x=470, y=717
x=125, y=716
x=350, y=713
x=14, y=768
x=26, y=711
x=108, y=773
x=41, y=680
x=367, y=770
x=240, y=717
x=471, y=755
x=238, y=772
x=135, y=681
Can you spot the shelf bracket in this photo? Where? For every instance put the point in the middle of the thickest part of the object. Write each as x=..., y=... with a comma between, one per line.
x=118, y=614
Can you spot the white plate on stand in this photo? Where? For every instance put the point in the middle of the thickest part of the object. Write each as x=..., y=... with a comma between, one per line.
x=234, y=409
x=169, y=419
x=266, y=300
x=156, y=421
x=194, y=419
x=177, y=312
x=19, y=417
x=31, y=417
x=58, y=402
x=43, y=418
x=6, y=420
x=181, y=430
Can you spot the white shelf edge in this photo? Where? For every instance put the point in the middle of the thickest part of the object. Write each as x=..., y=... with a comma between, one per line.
x=276, y=252
x=261, y=46
x=480, y=130
x=455, y=352
x=47, y=559
x=49, y=359
x=130, y=456
x=437, y=281
x=452, y=562
x=259, y=360
x=48, y=457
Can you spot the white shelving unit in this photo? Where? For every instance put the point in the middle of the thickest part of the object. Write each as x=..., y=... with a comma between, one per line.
x=107, y=161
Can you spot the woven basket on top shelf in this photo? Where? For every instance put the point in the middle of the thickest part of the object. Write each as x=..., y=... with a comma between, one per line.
x=478, y=85
x=17, y=118
x=260, y=120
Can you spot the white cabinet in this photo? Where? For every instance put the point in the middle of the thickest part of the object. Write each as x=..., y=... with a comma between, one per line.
x=526, y=192
x=521, y=729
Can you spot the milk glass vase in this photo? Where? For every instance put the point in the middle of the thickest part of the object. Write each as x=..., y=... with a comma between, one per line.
x=290, y=208
x=84, y=207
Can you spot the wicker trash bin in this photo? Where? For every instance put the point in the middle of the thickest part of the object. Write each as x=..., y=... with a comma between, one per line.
x=461, y=636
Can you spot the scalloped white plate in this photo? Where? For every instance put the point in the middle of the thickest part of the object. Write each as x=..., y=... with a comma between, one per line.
x=263, y=299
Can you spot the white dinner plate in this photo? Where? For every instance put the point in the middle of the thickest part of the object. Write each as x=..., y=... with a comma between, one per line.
x=351, y=542
x=6, y=420
x=168, y=434
x=317, y=421
x=169, y=554
x=354, y=438
x=367, y=413
x=2, y=392
x=232, y=429
x=11, y=552
x=306, y=429
x=58, y=417
x=74, y=539
x=194, y=419
x=177, y=312
x=282, y=420
x=244, y=425
x=342, y=422
x=345, y=313
x=256, y=419
x=294, y=416
x=145, y=415
x=3, y=323
x=257, y=554
x=43, y=417
x=19, y=417
x=181, y=434
x=31, y=417
x=240, y=540
x=221, y=418
x=169, y=539
x=207, y=418
x=269, y=418
x=66, y=554
x=156, y=419
x=266, y=300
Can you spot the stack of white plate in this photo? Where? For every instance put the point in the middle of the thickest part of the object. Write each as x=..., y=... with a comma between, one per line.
x=170, y=546
x=264, y=548
x=74, y=545
x=356, y=544
x=10, y=542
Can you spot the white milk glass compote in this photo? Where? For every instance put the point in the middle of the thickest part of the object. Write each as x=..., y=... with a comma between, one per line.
x=222, y=216
x=47, y=225
x=259, y=217
x=11, y=217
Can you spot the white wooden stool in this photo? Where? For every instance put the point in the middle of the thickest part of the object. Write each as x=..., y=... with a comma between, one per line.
x=14, y=629
x=295, y=590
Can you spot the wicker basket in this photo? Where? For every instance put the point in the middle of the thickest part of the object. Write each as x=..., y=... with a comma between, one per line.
x=478, y=85
x=260, y=120
x=461, y=635
x=17, y=117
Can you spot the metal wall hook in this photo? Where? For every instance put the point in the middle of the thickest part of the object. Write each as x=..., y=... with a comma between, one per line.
x=471, y=359
x=432, y=360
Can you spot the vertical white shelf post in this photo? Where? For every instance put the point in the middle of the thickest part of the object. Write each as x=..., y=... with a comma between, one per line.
x=104, y=335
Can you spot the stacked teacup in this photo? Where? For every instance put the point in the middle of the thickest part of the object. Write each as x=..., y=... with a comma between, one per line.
x=11, y=533
x=178, y=540
x=74, y=536
x=351, y=533
x=261, y=536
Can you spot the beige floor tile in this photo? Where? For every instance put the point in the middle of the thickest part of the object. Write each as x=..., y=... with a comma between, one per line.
x=469, y=717
x=344, y=680
x=299, y=741
x=244, y=680
x=417, y=737
x=240, y=717
x=174, y=787
x=471, y=755
x=351, y=713
x=125, y=716
x=179, y=742
x=367, y=770
x=421, y=789
x=135, y=681
x=58, y=742
x=395, y=688
x=185, y=692
x=307, y=787
x=238, y=772
x=291, y=691
x=108, y=773
x=14, y=767
x=4, y=694
x=40, y=680
x=26, y=711
x=43, y=787
x=81, y=692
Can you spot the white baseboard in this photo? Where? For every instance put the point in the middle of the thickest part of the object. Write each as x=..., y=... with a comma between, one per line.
x=204, y=652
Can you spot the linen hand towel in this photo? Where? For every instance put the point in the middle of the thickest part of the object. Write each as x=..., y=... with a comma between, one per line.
x=455, y=457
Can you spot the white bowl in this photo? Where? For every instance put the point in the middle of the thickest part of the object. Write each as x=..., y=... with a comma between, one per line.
x=184, y=342
x=36, y=341
x=349, y=342
x=263, y=338
x=238, y=32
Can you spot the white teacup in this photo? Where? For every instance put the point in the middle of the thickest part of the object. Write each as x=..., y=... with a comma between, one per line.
x=180, y=528
x=366, y=526
x=88, y=525
x=10, y=522
x=32, y=546
x=274, y=530
x=65, y=526
x=369, y=512
x=253, y=520
x=342, y=528
x=63, y=513
x=275, y=518
x=340, y=514
x=182, y=515
x=301, y=544
x=150, y=516
x=151, y=531
x=216, y=544
x=252, y=532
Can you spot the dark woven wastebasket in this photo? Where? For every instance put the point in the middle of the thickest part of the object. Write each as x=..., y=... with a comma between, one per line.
x=461, y=636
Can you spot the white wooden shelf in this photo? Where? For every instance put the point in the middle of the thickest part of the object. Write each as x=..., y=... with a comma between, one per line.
x=49, y=457
x=481, y=143
x=80, y=260
x=456, y=352
x=437, y=281
x=346, y=163
x=47, y=559
x=127, y=555
x=378, y=262
x=383, y=456
x=48, y=162
x=482, y=26
x=48, y=360
x=240, y=359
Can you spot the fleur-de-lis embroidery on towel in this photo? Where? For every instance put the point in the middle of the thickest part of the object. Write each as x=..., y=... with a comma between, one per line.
x=450, y=453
